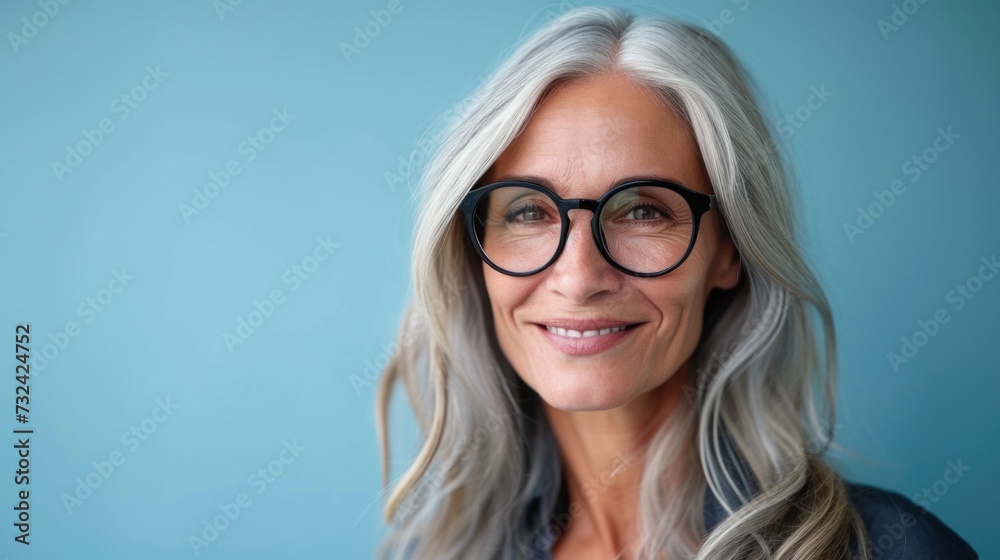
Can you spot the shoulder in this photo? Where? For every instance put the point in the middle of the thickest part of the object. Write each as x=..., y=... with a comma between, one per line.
x=900, y=529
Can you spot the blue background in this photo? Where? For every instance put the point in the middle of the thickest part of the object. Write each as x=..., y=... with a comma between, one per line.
x=63, y=236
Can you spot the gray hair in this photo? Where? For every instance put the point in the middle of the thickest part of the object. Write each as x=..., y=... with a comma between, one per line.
x=765, y=369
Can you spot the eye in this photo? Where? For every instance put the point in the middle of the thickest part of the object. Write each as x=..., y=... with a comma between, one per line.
x=526, y=213
x=645, y=211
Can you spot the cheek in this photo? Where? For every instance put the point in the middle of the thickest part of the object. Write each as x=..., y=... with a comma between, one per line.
x=693, y=276
x=506, y=294
x=680, y=299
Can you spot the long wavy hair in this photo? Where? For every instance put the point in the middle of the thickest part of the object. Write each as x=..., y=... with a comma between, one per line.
x=764, y=381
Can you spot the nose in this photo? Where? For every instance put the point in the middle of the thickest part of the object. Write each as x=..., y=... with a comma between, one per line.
x=581, y=271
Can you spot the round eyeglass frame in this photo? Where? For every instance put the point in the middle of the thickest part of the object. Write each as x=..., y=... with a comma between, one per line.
x=699, y=203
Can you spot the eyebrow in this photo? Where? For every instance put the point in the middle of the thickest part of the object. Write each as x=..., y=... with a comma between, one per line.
x=548, y=184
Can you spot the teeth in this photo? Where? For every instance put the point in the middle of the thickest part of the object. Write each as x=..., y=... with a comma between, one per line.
x=585, y=334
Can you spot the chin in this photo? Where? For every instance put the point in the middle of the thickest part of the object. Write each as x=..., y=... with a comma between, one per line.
x=583, y=394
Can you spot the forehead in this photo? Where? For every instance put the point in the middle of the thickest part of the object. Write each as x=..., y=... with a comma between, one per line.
x=591, y=133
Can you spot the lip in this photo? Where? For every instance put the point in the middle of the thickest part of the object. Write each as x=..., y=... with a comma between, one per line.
x=581, y=325
x=587, y=346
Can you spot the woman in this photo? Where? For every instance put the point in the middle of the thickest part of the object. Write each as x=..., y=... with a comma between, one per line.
x=615, y=347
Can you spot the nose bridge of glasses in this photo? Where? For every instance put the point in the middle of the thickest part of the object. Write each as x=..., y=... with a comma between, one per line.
x=586, y=224
x=581, y=204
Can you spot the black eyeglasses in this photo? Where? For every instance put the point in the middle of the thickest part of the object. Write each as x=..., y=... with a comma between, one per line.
x=643, y=228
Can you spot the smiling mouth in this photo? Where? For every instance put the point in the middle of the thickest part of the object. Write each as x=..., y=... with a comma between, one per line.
x=570, y=333
x=589, y=338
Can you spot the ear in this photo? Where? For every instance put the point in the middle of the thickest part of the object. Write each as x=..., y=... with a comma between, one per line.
x=725, y=269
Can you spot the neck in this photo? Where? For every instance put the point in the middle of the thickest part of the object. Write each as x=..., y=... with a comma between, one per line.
x=603, y=457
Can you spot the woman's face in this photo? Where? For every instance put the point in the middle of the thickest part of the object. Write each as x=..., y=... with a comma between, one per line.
x=586, y=136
